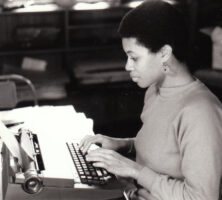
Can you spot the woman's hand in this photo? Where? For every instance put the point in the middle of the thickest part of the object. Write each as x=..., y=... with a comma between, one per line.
x=114, y=163
x=102, y=140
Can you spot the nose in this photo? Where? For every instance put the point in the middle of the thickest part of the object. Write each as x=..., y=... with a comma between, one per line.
x=128, y=66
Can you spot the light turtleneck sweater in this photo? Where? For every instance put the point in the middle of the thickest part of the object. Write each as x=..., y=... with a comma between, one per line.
x=180, y=143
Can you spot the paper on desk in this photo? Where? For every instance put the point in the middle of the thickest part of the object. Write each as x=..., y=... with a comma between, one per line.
x=12, y=144
x=60, y=121
x=61, y=124
x=37, y=112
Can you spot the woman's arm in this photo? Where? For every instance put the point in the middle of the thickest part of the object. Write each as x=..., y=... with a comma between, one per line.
x=123, y=145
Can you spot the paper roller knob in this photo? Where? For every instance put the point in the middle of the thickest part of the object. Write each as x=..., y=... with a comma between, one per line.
x=32, y=184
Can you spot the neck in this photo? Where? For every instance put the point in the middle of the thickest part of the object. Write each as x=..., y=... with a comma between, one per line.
x=178, y=75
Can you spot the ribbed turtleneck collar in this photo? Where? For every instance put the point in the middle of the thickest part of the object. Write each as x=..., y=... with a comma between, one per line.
x=171, y=92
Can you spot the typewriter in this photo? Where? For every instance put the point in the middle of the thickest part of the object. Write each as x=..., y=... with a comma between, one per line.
x=55, y=163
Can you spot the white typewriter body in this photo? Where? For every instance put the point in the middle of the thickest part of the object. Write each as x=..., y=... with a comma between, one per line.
x=51, y=171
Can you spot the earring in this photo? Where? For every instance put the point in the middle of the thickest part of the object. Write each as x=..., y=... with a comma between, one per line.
x=165, y=67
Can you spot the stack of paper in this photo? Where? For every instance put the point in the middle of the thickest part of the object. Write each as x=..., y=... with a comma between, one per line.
x=60, y=122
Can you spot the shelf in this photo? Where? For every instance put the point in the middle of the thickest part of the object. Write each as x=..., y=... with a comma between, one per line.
x=94, y=48
x=83, y=35
x=30, y=51
x=92, y=26
x=59, y=50
x=34, y=9
x=78, y=7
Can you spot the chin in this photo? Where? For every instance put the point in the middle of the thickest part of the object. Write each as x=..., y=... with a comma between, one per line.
x=141, y=85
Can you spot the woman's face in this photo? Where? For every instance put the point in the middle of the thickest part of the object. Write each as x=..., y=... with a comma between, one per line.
x=145, y=67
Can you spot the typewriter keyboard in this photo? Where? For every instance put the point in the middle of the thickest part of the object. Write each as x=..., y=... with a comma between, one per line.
x=88, y=174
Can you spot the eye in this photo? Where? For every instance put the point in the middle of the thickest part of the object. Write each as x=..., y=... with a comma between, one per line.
x=133, y=58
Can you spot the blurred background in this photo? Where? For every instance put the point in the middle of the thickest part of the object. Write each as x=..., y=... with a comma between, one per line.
x=71, y=51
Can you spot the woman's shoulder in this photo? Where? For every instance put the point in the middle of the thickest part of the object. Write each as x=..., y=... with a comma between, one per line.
x=201, y=100
x=202, y=111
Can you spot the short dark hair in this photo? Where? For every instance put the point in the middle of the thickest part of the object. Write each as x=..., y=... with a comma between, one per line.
x=155, y=23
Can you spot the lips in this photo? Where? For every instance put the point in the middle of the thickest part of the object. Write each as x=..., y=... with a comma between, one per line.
x=134, y=78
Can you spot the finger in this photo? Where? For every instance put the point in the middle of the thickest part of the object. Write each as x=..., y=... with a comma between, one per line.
x=96, y=155
x=83, y=140
x=101, y=160
x=109, y=157
x=106, y=166
x=100, y=165
x=89, y=141
x=85, y=144
x=111, y=164
x=105, y=153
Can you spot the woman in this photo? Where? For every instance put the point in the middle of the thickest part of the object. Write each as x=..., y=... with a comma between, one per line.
x=178, y=149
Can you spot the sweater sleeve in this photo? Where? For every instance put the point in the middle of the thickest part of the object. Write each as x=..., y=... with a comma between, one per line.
x=199, y=139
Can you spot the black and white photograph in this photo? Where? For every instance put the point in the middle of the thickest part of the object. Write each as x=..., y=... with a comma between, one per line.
x=110, y=100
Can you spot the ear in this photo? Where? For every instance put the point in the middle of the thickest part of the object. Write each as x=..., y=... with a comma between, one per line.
x=166, y=52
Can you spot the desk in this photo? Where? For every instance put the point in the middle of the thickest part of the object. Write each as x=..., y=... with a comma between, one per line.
x=52, y=121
